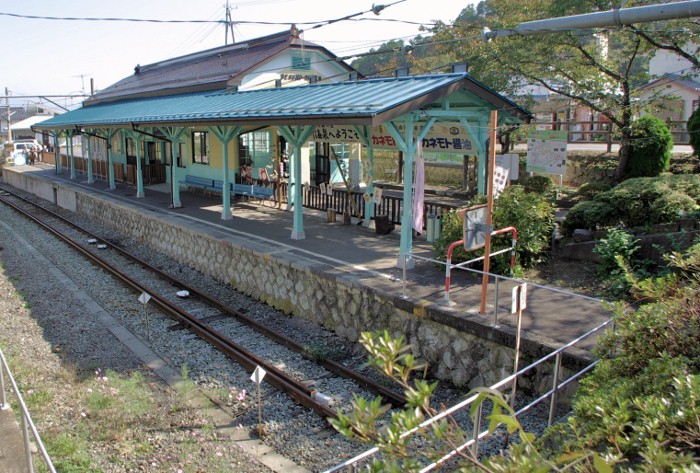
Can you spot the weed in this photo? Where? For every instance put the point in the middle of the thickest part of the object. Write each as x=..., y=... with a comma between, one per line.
x=323, y=352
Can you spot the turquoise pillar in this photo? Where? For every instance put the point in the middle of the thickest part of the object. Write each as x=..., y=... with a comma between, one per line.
x=109, y=134
x=56, y=151
x=174, y=134
x=70, y=153
x=225, y=134
x=136, y=136
x=408, y=145
x=139, y=172
x=91, y=178
x=297, y=136
x=365, y=134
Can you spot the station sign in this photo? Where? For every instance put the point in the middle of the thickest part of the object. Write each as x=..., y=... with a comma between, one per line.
x=444, y=137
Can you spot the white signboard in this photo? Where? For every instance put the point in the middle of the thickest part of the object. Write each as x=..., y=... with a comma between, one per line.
x=519, y=298
x=442, y=137
x=511, y=162
x=258, y=375
x=500, y=179
x=546, y=152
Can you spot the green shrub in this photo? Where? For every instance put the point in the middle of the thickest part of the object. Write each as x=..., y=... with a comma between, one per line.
x=637, y=202
x=694, y=131
x=531, y=214
x=589, y=190
x=539, y=184
x=651, y=148
x=589, y=215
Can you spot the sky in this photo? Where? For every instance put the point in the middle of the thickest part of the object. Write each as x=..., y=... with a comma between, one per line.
x=59, y=57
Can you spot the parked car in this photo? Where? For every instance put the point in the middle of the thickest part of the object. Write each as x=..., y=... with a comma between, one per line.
x=35, y=144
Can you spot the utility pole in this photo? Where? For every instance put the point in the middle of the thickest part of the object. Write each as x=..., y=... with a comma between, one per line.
x=7, y=102
x=228, y=24
x=612, y=18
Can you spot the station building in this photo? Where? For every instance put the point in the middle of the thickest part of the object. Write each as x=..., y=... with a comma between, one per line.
x=261, y=116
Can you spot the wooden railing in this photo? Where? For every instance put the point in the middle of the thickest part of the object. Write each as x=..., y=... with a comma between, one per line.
x=597, y=131
x=339, y=200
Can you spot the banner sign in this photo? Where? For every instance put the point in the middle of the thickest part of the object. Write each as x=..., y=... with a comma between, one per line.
x=546, y=151
x=442, y=137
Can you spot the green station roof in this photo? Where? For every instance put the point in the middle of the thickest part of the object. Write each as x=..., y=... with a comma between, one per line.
x=364, y=102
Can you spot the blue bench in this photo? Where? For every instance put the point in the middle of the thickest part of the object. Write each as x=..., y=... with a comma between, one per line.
x=256, y=192
x=199, y=183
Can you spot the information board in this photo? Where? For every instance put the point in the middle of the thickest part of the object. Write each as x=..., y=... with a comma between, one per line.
x=546, y=152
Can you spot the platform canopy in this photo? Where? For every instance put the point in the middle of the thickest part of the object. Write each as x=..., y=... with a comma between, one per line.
x=364, y=102
x=400, y=111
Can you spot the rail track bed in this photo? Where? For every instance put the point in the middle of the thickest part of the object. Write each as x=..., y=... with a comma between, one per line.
x=212, y=318
x=297, y=355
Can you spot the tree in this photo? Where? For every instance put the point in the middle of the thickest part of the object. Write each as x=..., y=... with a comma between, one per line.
x=694, y=130
x=420, y=54
x=600, y=69
x=651, y=149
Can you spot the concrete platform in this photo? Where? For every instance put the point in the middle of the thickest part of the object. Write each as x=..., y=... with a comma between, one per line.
x=12, y=456
x=360, y=256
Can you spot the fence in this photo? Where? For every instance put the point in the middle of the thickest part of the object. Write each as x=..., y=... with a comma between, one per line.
x=340, y=201
x=596, y=131
x=554, y=359
x=26, y=420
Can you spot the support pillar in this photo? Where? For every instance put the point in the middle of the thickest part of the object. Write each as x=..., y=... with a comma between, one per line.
x=408, y=145
x=225, y=134
x=365, y=134
x=56, y=151
x=70, y=153
x=90, y=179
x=297, y=136
x=140, y=194
x=174, y=134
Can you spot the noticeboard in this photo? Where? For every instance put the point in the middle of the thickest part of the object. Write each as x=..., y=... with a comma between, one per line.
x=546, y=151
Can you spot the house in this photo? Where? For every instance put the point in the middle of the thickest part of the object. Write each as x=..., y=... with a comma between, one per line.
x=21, y=120
x=673, y=99
x=278, y=60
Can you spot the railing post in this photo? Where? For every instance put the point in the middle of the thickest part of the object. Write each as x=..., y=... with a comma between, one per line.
x=25, y=438
x=555, y=388
x=3, y=399
x=518, y=338
x=495, y=303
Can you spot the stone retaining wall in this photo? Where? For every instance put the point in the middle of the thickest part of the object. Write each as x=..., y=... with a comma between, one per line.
x=457, y=349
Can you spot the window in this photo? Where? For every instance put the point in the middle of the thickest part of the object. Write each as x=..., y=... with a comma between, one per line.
x=254, y=153
x=301, y=63
x=200, y=147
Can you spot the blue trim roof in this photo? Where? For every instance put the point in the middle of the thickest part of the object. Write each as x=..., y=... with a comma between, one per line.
x=360, y=102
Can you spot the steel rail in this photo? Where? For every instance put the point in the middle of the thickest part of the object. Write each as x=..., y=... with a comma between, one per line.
x=393, y=397
x=275, y=377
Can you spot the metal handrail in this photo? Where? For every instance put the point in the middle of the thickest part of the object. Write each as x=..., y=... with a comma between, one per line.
x=26, y=420
x=508, y=380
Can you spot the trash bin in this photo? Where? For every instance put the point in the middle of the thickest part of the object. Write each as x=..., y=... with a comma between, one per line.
x=430, y=227
x=382, y=225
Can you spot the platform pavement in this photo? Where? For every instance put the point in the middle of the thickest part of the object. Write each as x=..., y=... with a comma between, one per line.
x=12, y=456
x=359, y=256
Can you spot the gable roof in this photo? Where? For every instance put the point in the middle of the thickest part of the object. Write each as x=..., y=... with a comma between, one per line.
x=687, y=84
x=364, y=102
x=213, y=69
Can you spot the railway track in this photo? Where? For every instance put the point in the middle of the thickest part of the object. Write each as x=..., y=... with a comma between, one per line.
x=197, y=308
